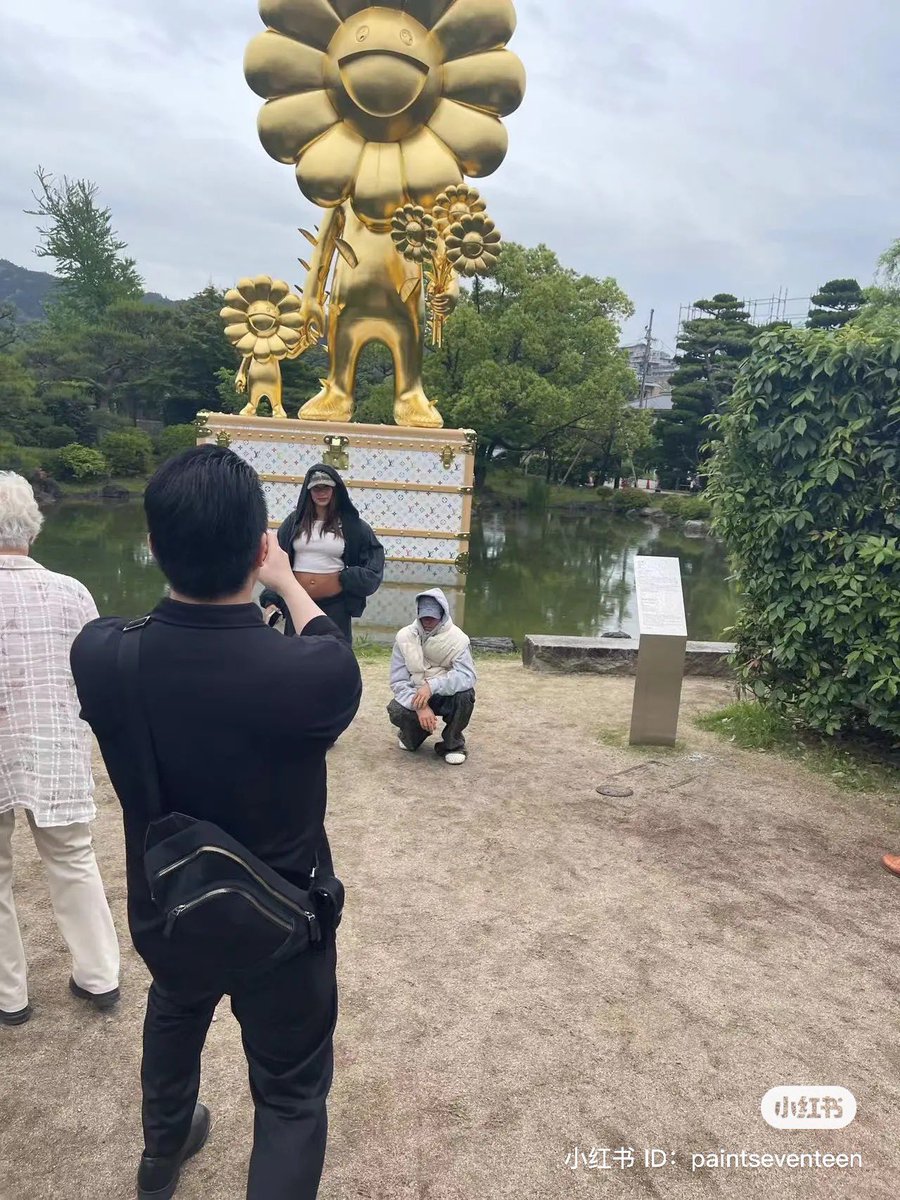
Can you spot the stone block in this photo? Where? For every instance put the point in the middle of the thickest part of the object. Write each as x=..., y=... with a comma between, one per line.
x=614, y=656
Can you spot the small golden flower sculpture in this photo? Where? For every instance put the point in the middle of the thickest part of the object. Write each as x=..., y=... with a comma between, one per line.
x=474, y=245
x=262, y=319
x=414, y=232
x=457, y=236
x=454, y=204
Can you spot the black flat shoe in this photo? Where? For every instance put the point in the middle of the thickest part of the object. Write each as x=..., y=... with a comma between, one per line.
x=16, y=1018
x=102, y=1001
x=158, y=1177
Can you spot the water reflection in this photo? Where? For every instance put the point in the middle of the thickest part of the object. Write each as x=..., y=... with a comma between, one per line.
x=530, y=572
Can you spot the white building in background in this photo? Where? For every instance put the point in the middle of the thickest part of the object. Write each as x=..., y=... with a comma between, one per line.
x=660, y=367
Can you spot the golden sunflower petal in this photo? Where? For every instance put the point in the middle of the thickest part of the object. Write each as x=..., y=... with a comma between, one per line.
x=261, y=351
x=478, y=140
x=277, y=344
x=289, y=124
x=234, y=298
x=234, y=333
x=470, y=26
x=494, y=82
x=428, y=167
x=278, y=290
x=326, y=169
x=247, y=344
x=234, y=316
x=427, y=12
x=290, y=304
x=290, y=337
x=275, y=65
x=247, y=288
x=492, y=237
x=312, y=22
x=264, y=285
x=290, y=320
x=379, y=182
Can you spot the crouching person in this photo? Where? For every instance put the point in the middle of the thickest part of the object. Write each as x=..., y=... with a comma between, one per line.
x=433, y=675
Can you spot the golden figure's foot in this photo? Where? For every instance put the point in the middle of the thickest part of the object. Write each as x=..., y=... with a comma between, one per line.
x=279, y=413
x=414, y=409
x=331, y=404
x=249, y=411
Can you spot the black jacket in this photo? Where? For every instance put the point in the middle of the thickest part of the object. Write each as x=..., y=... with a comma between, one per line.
x=363, y=571
x=241, y=718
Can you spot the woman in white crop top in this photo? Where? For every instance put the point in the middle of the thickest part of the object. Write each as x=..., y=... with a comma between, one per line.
x=335, y=555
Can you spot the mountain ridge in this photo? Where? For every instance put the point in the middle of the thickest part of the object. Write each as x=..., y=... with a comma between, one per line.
x=29, y=291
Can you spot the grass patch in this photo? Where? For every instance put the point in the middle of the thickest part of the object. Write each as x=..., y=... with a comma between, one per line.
x=854, y=767
x=90, y=489
x=367, y=651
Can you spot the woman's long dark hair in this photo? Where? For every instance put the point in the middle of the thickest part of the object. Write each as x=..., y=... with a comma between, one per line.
x=331, y=522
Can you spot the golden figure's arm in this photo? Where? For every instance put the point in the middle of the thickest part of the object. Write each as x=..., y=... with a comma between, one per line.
x=315, y=290
x=240, y=380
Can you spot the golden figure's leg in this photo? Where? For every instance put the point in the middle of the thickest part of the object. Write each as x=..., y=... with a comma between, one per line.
x=335, y=401
x=265, y=384
x=411, y=406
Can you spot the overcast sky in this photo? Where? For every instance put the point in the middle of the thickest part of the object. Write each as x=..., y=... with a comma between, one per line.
x=683, y=146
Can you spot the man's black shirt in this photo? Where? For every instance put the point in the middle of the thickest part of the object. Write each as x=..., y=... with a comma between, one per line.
x=241, y=719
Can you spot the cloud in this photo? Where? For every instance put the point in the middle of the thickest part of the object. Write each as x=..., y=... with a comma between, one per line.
x=683, y=146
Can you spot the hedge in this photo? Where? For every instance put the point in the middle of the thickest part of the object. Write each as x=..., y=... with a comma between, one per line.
x=806, y=489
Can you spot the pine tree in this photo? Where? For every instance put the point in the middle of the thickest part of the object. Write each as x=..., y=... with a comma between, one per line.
x=836, y=303
x=711, y=350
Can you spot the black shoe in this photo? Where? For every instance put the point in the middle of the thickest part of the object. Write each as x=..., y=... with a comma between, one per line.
x=158, y=1177
x=102, y=1001
x=16, y=1018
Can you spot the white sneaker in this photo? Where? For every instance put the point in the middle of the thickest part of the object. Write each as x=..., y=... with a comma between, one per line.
x=403, y=746
x=456, y=758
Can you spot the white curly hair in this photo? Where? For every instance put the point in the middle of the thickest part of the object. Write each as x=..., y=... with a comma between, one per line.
x=20, y=517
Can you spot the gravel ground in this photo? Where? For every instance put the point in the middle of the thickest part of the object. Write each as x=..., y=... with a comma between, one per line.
x=552, y=969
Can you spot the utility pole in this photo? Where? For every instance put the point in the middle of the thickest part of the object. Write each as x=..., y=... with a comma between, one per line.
x=648, y=351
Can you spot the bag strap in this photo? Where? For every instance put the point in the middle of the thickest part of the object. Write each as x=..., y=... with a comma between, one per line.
x=129, y=664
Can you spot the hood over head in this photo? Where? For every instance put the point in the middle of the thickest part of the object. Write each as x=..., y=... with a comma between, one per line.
x=437, y=595
x=346, y=507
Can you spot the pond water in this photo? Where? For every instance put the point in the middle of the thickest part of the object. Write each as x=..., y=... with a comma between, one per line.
x=531, y=572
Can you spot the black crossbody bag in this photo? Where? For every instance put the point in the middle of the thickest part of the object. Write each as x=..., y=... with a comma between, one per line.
x=222, y=905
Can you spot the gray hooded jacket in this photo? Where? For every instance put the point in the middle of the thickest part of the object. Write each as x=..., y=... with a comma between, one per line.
x=460, y=678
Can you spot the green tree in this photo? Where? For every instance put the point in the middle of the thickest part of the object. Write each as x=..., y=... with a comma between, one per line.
x=129, y=452
x=530, y=360
x=79, y=237
x=835, y=303
x=881, y=312
x=20, y=411
x=712, y=348
x=8, y=330
x=805, y=483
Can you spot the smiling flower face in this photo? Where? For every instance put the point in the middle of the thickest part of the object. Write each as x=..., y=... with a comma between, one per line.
x=385, y=105
x=262, y=318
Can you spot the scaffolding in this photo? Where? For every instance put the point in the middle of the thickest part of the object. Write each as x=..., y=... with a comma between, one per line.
x=781, y=307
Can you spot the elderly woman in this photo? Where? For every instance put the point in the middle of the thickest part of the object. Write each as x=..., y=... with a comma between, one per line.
x=45, y=762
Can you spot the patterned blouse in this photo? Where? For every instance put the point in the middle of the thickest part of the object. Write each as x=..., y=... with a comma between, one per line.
x=45, y=747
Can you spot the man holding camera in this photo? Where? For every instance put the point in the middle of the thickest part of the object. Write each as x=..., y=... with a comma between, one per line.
x=240, y=719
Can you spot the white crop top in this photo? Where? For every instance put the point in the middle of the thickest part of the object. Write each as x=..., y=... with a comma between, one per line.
x=323, y=554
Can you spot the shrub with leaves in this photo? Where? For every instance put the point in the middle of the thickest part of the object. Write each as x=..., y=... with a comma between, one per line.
x=174, y=439
x=806, y=490
x=129, y=452
x=83, y=462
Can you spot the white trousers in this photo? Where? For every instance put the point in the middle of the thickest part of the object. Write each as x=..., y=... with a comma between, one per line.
x=79, y=905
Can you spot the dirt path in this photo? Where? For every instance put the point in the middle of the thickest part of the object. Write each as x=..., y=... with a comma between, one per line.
x=554, y=970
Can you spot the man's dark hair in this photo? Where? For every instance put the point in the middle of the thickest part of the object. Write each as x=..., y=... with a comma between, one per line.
x=206, y=513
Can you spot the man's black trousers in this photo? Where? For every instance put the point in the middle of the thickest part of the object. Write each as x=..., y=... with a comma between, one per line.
x=457, y=713
x=287, y=1020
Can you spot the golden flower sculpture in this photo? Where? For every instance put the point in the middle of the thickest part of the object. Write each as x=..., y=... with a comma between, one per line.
x=264, y=324
x=414, y=233
x=385, y=105
x=474, y=245
x=262, y=318
x=454, y=204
